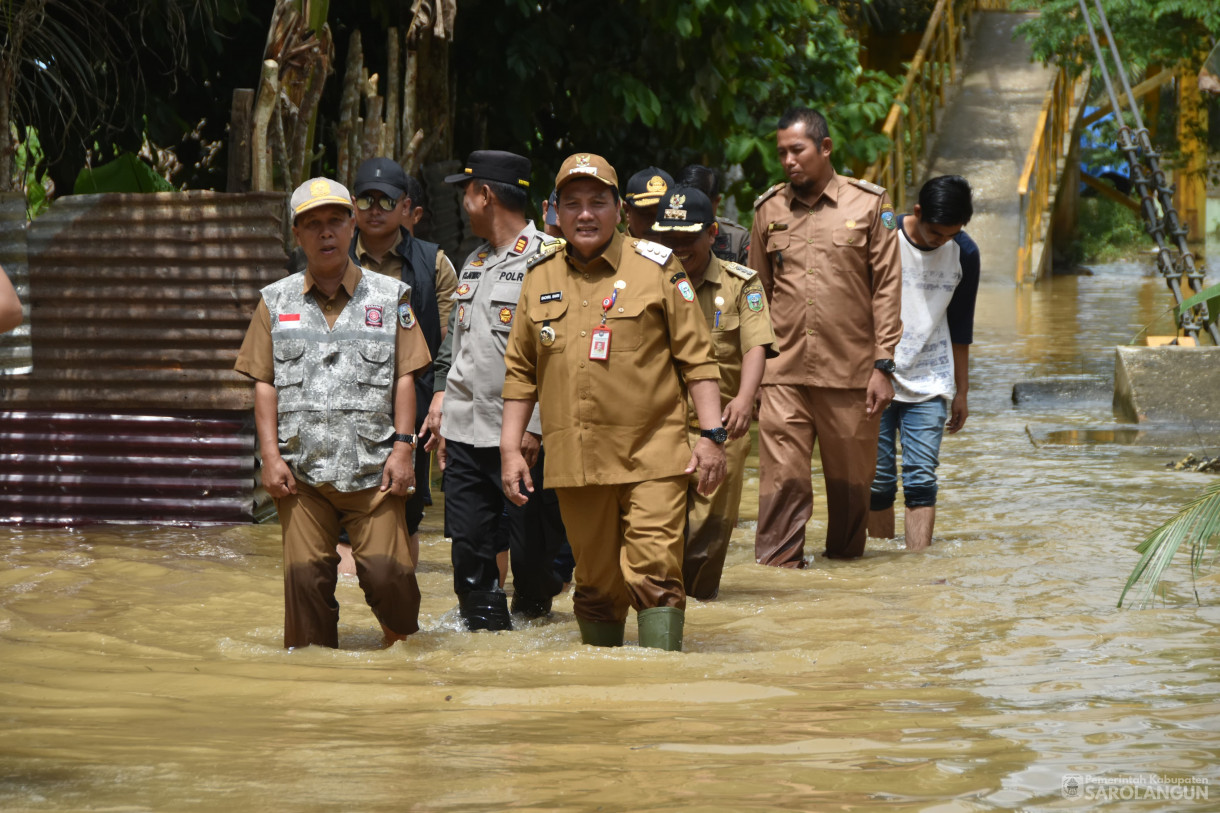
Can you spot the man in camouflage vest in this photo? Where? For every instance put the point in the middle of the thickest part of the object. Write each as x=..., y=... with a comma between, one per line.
x=333, y=352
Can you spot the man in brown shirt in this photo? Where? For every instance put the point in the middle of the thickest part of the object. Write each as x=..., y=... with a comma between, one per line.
x=825, y=249
x=732, y=301
x=606, y=332
x=333, y=352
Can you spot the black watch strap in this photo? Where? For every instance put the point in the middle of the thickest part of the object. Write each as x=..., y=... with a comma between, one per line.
x=401, y=438
x=717, y=435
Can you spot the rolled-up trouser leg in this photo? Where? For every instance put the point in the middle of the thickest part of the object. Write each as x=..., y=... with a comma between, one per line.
x=376, y=522
x=785, y=491
x=847, y=438
x=309, y=527
x=710, y=521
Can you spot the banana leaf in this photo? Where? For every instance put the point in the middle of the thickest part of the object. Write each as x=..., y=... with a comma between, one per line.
x=127, y=173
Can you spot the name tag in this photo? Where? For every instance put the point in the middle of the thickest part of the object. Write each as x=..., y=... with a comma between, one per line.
x=553, y=296
x=599, y=345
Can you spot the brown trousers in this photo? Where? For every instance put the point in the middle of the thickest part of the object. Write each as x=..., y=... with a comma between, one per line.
x=627, y=542
x=710, y=521
x=790, y=419
x=376, y=524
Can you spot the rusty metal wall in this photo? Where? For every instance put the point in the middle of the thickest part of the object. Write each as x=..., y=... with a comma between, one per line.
x=15, y=345
x=132, y=412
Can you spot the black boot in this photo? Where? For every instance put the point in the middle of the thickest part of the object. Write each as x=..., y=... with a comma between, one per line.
x=485, y=610
x=531, y=608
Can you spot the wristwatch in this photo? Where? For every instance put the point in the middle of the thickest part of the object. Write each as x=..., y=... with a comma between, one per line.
x=886, y=366
x=718, y=435
x=412, y=439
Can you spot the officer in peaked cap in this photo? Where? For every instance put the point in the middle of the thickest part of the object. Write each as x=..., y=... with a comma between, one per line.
x=333, y=352
x=732, y=301
x=732, y=239
x=606, y=332
x=643, y=192
x=465, y=416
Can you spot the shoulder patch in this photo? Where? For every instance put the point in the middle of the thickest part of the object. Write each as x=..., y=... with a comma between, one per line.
x=758, y=201
x=656, y=252
x=547, y=249
x=740, y=271
x=868, y=186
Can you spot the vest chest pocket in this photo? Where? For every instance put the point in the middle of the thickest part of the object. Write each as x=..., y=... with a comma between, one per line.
x=726, y=338
x=549, y=324
x=778, y=241
x=289, y=365
x=850, y=239
x=625, y=319
x=374, y=367
x=503, y=305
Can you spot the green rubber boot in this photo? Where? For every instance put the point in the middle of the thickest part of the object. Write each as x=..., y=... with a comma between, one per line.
x=601, y=633
x=661, y=628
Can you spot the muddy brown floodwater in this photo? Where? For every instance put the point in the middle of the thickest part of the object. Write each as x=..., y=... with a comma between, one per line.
x=141, y=668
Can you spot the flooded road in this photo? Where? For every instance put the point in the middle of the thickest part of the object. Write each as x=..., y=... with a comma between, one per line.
x=141, y=669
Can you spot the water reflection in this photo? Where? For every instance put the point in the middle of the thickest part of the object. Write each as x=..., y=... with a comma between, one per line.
x=141, y=667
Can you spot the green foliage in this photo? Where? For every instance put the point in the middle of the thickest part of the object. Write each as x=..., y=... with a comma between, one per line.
x=1149, y=32
x=1108, y=231
x=1197, y=524
x=660, y=83
x=1208, y=297
x=28, y=157
x=127, y=173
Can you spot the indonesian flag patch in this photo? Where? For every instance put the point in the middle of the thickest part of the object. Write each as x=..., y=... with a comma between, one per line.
x=288, y=321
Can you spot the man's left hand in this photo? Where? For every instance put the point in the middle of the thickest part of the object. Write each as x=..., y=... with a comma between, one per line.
x=957, y=413
x=880, y=393
x=708, y=458
x=399, y=474
x=736, y=417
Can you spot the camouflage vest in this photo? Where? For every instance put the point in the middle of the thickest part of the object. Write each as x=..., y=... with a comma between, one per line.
x=335, y=386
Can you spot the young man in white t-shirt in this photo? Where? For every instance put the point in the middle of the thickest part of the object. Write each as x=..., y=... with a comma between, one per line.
x=940, y=279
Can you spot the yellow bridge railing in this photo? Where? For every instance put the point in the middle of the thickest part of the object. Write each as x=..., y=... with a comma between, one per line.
x=913, y=117
x=1040, y=177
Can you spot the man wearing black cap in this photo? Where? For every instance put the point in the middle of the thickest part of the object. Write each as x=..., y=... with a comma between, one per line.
x=644, y=191
x=732, y=242
x=732, y=300
x=467, y=408
x=383, y=244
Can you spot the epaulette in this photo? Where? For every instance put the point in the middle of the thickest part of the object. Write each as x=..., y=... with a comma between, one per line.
x=868, y=186
x=740, y=271
x=758, y=201
x=656, y=252
x=545, y=250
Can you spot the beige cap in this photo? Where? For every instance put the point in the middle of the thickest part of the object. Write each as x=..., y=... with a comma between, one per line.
x=586, y=165
x=319, y=192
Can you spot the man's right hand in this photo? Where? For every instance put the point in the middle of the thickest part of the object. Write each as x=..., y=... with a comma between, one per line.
x=432, y=424
x=277, y=477
x=513, y=472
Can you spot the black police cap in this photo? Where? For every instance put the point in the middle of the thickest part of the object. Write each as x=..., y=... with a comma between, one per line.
x=495, y=165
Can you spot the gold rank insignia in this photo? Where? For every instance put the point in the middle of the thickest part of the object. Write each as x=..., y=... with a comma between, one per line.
x=463, y=289
x=520, y=245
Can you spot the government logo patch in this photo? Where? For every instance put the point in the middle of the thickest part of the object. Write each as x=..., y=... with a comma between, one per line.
x=406, y=316
x=688, y=293
x=373, y=316
x=754, y=300
x=506, y=316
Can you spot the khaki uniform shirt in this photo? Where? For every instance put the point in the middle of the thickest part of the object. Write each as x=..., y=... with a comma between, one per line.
x=391, y=266
x=486, y=300
x=740, y=322
x=832, y=271
x=622, y=420
x=256, y=360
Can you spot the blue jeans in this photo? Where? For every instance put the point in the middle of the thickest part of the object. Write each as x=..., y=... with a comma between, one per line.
x=921, y=426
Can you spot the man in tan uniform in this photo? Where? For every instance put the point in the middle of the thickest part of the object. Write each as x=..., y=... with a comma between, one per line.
x=333, y=352
x=731, y=298
x=827, y=253
x=606, y=332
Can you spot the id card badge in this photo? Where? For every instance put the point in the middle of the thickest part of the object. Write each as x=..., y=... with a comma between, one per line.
x=599, y=346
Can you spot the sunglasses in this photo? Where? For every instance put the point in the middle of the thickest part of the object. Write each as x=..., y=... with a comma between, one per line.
x=365, y=202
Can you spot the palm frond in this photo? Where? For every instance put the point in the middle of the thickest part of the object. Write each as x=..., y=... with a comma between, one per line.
x=1198, y=523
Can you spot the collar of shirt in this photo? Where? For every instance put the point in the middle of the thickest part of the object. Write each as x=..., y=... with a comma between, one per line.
x=830, y=192
x=362, y=253
x=711, y=274
x=351, y=278
x=612, y=255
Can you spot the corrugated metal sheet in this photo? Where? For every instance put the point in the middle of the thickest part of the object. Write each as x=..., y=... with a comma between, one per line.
x=142, y=300
x=15, y=345
x=132, y=413
x=65, y=468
